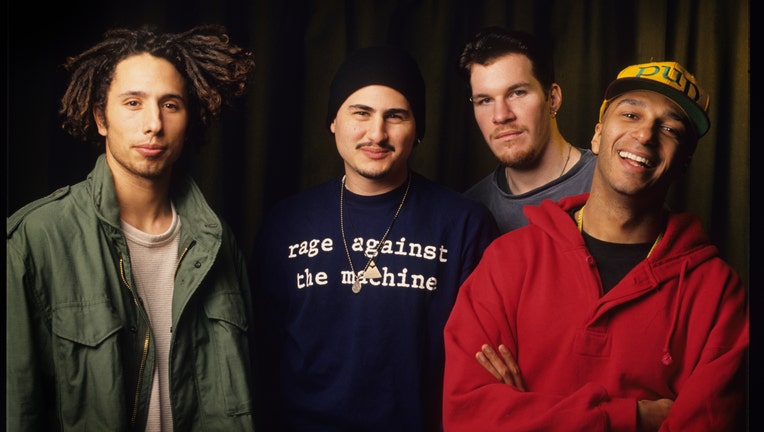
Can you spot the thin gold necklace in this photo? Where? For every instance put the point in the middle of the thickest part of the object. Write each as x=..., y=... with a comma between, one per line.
x=580, y=224
x=567, y=159
x=370, y=270
x=570, y=148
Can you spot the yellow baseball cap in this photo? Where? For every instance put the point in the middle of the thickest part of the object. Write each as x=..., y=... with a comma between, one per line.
x=669, y=79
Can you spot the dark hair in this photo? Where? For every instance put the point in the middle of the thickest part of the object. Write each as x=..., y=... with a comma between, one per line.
x=493, y=42
x=214, y=71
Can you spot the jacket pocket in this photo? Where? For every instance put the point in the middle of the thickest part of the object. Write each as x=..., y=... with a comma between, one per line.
x=228, y=332
x=87, y=362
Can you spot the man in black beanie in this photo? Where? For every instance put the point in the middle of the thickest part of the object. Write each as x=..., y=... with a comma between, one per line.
x=354, y=279
x=382, y=65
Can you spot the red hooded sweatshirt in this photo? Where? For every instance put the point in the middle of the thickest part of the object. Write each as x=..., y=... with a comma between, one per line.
x=676, y=326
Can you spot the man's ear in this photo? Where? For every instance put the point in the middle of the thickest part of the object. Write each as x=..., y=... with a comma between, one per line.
x=100, y=120
x=596, y=138
x=555, y=97
x=684, y=168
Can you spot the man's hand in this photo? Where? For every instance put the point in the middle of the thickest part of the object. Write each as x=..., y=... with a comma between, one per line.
x=650, y=414
x=503, y=368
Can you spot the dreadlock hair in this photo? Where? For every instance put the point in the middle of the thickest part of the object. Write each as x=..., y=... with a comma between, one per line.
x=215, y=71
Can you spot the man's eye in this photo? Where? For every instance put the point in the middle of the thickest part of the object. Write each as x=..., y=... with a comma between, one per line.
x=671, y=131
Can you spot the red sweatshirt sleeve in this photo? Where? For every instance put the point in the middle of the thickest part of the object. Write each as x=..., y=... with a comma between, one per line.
x=474, y=400
x=706, y=377
x=712, y=398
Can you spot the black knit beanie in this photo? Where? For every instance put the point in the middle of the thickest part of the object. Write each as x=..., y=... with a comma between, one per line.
x=383, y=65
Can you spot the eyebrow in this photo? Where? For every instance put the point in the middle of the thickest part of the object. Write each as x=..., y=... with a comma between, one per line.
x=387, y=112
x=361, y=107
x=632, y=102
x=397, y=111
x=144, y=94
x=673, y=112
x=509, y=89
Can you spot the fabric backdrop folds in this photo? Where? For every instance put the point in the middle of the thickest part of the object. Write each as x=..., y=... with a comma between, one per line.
x=273, y=142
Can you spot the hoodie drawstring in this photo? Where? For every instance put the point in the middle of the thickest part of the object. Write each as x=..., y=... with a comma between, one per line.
x=667, y=359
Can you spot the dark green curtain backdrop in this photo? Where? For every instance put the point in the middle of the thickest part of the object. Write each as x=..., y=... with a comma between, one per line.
x=274, y=143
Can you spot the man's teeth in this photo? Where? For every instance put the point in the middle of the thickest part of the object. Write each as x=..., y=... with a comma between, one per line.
x=631, y=156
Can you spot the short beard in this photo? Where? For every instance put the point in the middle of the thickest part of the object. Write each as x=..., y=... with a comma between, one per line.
x=527, y=160
x=375, y=175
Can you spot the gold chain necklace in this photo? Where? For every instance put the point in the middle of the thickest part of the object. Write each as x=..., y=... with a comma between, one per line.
x=370, y=270
x=567, y=159
x=570, y=149
x=580, y=224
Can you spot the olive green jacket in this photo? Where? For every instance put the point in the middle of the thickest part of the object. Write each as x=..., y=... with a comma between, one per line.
x=80, y=352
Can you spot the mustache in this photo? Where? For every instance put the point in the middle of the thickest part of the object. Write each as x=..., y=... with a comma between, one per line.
x=384, y=144
x=504, y=129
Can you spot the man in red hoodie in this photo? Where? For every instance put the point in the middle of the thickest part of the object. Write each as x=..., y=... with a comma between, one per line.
x=610, y=312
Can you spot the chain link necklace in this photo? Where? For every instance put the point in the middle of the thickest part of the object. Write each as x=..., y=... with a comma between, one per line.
x=370, y=270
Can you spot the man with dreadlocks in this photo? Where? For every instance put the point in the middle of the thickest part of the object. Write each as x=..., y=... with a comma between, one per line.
x=128, y=302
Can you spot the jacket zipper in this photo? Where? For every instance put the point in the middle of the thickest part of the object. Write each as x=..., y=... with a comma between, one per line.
x=146, y=339
x=183, y=254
